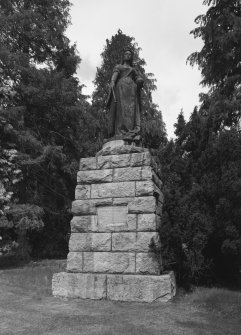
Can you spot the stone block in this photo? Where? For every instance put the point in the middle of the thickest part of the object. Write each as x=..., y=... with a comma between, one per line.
x=115, y=218
x=82, y=192
x=108, y=219
x=75, y=262
x=89, y=207
x=148, y=263
x=90, y=242
x=109, y=262
x=140, y=288
x=84, y=224
x=113, y=161
x=132, y=174
x=131, y=241
x=123, y=160
x=140, y=159
x=157, y=180
x=94, y=176
x=122, y=189
x=146, y=222
x=118, y=147
x=87, y=164
x=122, y=201
x=144, y=188
x=141, y=205
x=79, y=285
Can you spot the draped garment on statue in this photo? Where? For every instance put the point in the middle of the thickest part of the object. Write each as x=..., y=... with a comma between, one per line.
x=125, y=104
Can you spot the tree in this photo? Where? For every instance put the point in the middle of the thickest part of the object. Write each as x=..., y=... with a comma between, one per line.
x=153, y=130
x=46, y=117
x=219, y=61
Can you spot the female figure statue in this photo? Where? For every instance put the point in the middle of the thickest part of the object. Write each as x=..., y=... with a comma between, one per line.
x=124, y=100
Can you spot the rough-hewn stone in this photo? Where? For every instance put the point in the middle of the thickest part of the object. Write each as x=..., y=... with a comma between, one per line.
x=157, y=180
x=79, y=285
x=89, y=207
x=122, y=189
x=94, y=176
x=108, y=219
x=140, y=288
x=84, y=224
x=125, y=160
x=114, y=245
x=119, y=149
x=148, y=263
x=130, y=241
x=75, y=262
x=144, y=188
x=146, y=222
x=141, y=205
x=109, y=262
x=87, y=164
x=132, y=173
x=90, y=242
x=82, y=192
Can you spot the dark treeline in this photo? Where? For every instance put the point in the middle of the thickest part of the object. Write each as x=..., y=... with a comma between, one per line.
x=47, y=124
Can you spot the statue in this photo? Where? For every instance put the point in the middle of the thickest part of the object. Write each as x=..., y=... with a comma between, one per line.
x=124, y=103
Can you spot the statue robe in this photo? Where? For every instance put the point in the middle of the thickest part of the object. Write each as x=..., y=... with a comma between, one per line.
x=125, y=111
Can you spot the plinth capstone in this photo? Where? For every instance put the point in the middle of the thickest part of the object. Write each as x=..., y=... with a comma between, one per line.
x=114, y=248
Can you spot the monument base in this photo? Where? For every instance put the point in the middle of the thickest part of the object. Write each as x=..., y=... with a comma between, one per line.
x=114, y=247
x=120, y=287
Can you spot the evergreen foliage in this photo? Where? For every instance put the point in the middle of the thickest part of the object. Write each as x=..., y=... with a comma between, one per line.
x=202, y=217
x=44, y=116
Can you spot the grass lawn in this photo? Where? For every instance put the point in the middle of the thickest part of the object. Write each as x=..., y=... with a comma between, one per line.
x=27, y=307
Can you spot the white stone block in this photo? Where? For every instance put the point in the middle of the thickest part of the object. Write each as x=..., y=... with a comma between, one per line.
x=94, y=176
x=109, y=262
x=84, y=224
x=144, y=188
x=132, y=173
x=115, y=218
x=87, y=164
x=141, y=288
x=141, y=205
x=79, y=285
x=148, y=263
x=146, y=222
x=122, y=189
x=90, y=242
x=75, y=262
x=82, y=192
x=131, y=241
x=89, y=207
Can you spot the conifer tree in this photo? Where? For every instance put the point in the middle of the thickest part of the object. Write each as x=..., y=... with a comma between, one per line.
x=219, y=61
x=47, y=114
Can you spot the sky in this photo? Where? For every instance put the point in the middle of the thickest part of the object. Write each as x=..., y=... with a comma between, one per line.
x=161, y=28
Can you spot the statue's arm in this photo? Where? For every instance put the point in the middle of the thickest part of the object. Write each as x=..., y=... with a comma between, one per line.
x=115, y=76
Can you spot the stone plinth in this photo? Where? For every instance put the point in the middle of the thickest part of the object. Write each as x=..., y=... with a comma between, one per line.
x=114, y=248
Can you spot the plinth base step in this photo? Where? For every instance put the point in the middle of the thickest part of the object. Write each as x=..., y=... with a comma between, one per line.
x=141, y=288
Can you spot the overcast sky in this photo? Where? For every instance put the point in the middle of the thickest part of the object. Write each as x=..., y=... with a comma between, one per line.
x=161, y=28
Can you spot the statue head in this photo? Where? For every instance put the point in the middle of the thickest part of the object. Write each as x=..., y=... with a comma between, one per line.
x=127, y=55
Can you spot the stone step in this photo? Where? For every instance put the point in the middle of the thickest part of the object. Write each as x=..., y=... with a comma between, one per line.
x=138, y=288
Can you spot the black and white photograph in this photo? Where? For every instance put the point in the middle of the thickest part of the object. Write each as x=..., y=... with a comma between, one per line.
x=120, y=167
